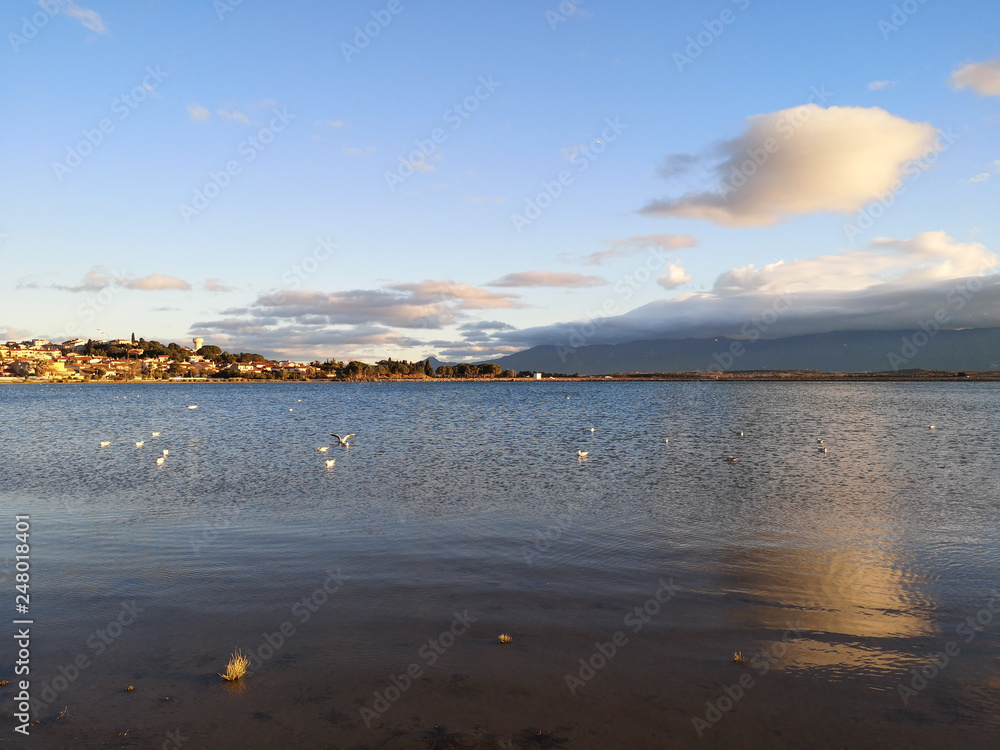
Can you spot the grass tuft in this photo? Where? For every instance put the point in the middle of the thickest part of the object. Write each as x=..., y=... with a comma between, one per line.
x=504, y=638
x=236, y=668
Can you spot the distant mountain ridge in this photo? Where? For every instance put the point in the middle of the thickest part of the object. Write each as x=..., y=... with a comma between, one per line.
x=842, y=351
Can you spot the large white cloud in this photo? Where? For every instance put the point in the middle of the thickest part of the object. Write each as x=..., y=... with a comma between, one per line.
x=981, y=77
x=804, y=160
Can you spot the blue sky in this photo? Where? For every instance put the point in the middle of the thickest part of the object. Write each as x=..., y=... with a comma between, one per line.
x=377, y=195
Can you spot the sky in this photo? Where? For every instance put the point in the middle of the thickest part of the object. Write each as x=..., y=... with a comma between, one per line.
x=404, y=178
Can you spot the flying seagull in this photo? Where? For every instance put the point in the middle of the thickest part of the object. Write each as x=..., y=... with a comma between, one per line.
x=343, y=440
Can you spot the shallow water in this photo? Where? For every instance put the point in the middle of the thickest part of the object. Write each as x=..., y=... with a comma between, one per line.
x=834, y=573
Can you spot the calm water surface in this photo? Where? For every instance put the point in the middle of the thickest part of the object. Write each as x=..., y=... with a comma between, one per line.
x=838, y=575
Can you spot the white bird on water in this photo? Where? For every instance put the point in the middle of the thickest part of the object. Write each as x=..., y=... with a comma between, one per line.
x=160, y=460
x=166, y=452
x=821, y=449
x=732, y=459
x=583, y=454
x=330, y=463
x=666, y=440
x=156, y=434
x=193, y=406
x=931, y=427
x=105, y=443
x=323, y=449
x=343, y=440
x=140, y=444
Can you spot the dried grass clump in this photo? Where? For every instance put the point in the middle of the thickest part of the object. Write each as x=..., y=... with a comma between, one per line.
x=236, y=668
x=504, y=638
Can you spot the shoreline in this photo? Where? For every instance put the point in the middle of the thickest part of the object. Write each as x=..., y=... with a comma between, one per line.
x=741, y=376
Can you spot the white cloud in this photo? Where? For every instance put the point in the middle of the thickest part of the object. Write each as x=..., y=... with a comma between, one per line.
x=199, y=113
x=981, y=177
x=548, y=279
x=633, y=245
x=981, y=77
x=99, y=277
x=673, y=277
x=805, y=160
x=217, y=285
x=879, y=85
x=156, y=282
x=91, y=19
x=360, y=151
x=336, y=124
x=232, y=115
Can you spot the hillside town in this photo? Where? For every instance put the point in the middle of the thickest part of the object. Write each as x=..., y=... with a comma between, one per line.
x=82, y=360
x=127, y=359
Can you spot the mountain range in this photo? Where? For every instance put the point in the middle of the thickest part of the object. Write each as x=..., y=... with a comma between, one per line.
x=841, y=351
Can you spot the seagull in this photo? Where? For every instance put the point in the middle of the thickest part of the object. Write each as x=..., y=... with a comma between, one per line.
x=160, y=460
x=156, y=434
x=166, y=452
x=820, y=441
x=583, y=454
x=343, y=440
x=740, y=433
x=105, y=443
x=666, y=440
x=931, y=427
x=324, y=449
x=821, y=449
x=193, y=406
x=330, y=462
x=591, y=429
x=140, y=444
x=732, y=459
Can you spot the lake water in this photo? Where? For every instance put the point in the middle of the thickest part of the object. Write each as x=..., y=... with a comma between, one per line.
x=370, y=594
